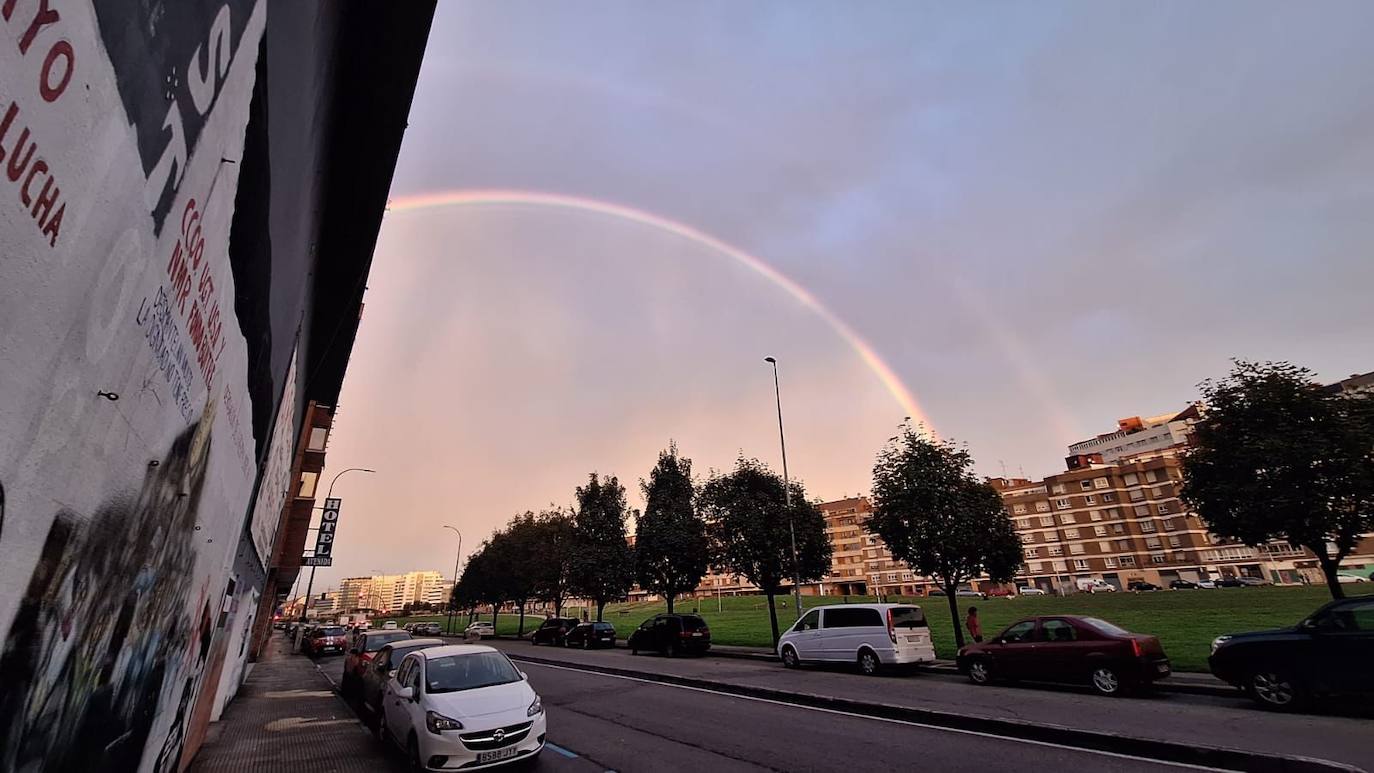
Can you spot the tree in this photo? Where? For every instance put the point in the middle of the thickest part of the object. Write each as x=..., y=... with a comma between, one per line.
x=1276, y=456
x=553, y=570
x=670, y=537
x=603, y=564
x=939, y=518
x=521, y=549
x=748, y=527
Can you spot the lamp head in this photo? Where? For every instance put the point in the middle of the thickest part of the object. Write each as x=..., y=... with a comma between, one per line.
x=770, y=359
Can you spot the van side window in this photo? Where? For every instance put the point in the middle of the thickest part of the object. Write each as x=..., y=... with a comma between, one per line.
x=810, y=622
x=858, y=617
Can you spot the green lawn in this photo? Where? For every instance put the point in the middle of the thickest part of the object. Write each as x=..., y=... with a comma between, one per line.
x=1185, y=621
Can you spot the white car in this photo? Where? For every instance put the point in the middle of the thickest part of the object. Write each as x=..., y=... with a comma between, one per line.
x=389, y=625
x=1207, y=584
x=1349, y=579
x=480, y=629
x=869, y=635
x=461, y=706
x=1031, y=590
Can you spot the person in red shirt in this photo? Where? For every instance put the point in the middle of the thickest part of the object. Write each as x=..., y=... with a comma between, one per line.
x=975, y=629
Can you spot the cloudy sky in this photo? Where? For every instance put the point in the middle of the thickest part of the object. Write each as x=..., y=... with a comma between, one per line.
x=1040, y=217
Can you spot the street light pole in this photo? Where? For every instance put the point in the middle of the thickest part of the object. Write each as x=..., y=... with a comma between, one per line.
x=311, y=584
x=787, y=491
x=456, y=560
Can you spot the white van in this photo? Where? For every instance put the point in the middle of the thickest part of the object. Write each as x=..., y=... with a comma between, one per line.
x=868, y=635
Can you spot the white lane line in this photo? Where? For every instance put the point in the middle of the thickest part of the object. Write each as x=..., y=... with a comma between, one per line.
x=560, y=750
x=889, y=720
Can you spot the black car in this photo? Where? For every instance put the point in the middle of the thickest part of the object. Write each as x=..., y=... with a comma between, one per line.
x=1230, y=582
x=1182, y=585
x=1327, y=654
x=427, y=629
x=1141, y=586
x=671, y=635
x=589, y=635
x=553, y=631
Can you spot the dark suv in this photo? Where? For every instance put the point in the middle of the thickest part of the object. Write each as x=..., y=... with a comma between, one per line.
x=589, y=635
x=671, y=635
x=553, y=631
x=1329, y=653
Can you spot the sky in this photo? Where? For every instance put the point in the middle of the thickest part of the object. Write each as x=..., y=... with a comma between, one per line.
x=1032, y=218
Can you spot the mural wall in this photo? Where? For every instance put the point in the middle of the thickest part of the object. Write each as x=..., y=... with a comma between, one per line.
x=127, y=454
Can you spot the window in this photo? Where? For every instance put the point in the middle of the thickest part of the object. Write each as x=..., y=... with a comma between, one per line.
x=1123, y=544
x=1057, y=630
x=1066, y=518
x=1095, y=515
x=1033, y=567
x=1108, y=496
x=1163, y=508
x=1058, y=489
x=1147, y=526
x=1046, y=520
x=1042, y=507
x=1137, y=495
x=1062, y=504
x=1099, y=531
x=1076, y=550
x=1086, y=484
x=308, y=482
x=1131, y=479
x=1081, y=565
x=1158, y=558
x=1018, y=509
x=1089, y=500
x=1352, y=616
x=1142, y=511
x=1174, y=541
x=1109, y=562
x=1151, y=475
x=1058, y=566
x=1099, y=482
x=1023, y=523
x=856, y=617
x=1105, y=547
x=1169, y=524
x=1021, y=632
x=1152, y=543
x=318, y=437
x=1071, y=534
x=1056, y=550
x=1127, y=560
x=1032, y=552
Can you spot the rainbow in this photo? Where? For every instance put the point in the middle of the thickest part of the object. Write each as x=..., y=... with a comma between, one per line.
x=889, y=379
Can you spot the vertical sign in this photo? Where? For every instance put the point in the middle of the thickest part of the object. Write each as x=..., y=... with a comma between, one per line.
x=324, y=541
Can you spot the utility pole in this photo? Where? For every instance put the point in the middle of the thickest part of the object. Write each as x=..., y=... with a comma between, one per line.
x=787, y=492
x=456, y=560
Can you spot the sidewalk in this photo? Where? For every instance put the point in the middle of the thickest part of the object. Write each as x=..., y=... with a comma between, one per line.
x=288, y=718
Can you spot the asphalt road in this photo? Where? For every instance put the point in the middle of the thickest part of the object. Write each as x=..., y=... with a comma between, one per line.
x=625, y=724
x=1193, y=720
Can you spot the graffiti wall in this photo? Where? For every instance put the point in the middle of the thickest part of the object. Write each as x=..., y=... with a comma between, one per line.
x=127, y=454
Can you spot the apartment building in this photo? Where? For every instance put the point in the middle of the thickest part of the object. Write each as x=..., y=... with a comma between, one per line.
x=392, y=592
x=860, y=563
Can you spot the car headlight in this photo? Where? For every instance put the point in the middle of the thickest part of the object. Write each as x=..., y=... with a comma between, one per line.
x=1217, y=642
x=437, y=722
x=535, y=708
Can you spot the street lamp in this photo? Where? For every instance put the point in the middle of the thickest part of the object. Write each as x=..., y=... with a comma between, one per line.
x=310, y=585
x=456, y=559
x=787, y=491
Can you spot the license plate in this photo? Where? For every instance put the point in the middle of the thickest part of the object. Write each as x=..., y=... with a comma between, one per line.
x=913, y=639
x=697, y=634
x=493, y=756
x=1163, y=668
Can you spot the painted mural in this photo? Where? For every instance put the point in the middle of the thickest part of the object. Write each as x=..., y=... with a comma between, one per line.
x=127, y=457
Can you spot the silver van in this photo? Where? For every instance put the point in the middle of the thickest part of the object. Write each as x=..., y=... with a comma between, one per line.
x=868, y=635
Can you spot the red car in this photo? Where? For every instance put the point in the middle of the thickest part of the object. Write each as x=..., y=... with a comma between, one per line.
x=1067, y=648
x=330, y=639
x=365, y=646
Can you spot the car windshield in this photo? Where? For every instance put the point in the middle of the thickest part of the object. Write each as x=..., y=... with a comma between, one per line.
x=1105, y=627
x=453, y=673
x=375, y=641
x=603, y=626
x=908, y=617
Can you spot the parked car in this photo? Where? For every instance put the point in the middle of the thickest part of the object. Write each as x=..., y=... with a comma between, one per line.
x=1326, y=654
x=970, y=593
x=1000, y=592
x=1230, y=582
x=589, y=635
x=1030, y=590
x=870, y=636
x=325, y=640
x=1141, y=586
x=480, y=629
x=1095, y=586
x=1252, y=582
x=1182, y=585
x=427, y=629
x=365, y=647
x=383, y=667
x=466, y=704
x=1350, y=579
x=553, y=630
x=935, y=593
x=1207, y=584
x=671, y=635
x=389, y=625
x=1067, y=648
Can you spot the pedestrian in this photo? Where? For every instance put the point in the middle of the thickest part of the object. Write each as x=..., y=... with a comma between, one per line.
x=975, y=629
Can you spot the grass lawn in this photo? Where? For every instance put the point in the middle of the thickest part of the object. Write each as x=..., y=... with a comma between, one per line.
x=1185, y=621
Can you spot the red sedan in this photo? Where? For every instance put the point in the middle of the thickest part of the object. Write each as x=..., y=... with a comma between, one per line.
x=1067, y=648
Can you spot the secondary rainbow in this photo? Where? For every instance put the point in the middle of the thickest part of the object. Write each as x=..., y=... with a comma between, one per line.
x=866, y=353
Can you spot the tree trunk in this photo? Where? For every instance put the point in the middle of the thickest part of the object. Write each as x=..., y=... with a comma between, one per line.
x=669, y=597
x=495, y=609
x=600, y=608
x=954, y=615
x=1329, y=567
x=773, y=618
x=521, y=632
x=558, y=607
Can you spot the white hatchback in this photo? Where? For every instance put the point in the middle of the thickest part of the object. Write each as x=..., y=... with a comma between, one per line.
x=868, y=635
x=463, y=706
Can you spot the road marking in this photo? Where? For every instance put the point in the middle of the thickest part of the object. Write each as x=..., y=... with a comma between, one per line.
x=889, y=720
x=560, y=750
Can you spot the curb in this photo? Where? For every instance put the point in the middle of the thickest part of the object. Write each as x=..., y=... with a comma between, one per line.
x=1164, y=751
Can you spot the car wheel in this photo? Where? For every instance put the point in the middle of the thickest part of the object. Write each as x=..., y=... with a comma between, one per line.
x=980, y=671
x=869, y=663
x=789, y=657
x=413, y=753
x=1105, y=680
x=586, y=644
x=1274, y=689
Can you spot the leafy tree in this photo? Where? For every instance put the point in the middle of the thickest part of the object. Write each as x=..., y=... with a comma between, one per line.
x=603, y=563
x=748, y=527
x=521, y=548
x=1276, y=456
x=482, y=581
x=553, y=570
x=939, y=518
x=670, y=537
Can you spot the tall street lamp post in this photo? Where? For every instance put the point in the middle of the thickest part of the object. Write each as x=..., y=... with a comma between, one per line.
x=456, y=560
x=311, y=585
x=787, y=491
